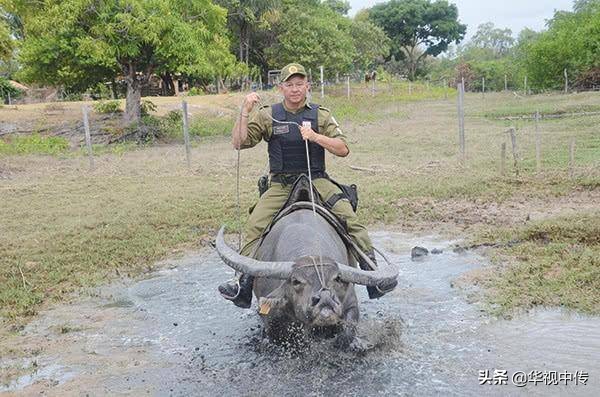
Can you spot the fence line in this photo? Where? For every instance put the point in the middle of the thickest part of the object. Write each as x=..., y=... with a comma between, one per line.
x=88, y=136
x=186, y=133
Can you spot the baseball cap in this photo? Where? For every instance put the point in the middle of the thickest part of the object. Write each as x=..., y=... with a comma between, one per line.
x=291, y=69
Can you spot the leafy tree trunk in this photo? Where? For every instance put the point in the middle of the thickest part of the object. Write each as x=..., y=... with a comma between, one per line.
x=243, y=39
x=411, y=60
x=168, y=86
x=134, y=96
x=113, y=87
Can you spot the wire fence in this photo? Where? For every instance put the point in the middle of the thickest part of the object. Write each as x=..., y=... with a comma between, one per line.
x=515, y=134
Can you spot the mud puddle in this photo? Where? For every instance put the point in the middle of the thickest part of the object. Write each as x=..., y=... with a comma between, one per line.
x=173, y=335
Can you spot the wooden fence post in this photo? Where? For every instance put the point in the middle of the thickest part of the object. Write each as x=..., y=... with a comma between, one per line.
x=88, y=136
x=186, y=132
x=572, y=158
x=566, y=81
x=538, y=151
x=503, y=159
x=348, y=86
x=322, y=83
x=461, y=120
x=483, y=87
x=513, y=140
x=505, y=82
x=445, y=89
x=525, y=84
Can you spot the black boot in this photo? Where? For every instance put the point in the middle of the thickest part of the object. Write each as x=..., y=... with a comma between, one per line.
x=374, y=292
x=239, y=291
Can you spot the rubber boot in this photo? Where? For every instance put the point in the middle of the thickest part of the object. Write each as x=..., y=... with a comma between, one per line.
x=239, y=291
x=374, y=292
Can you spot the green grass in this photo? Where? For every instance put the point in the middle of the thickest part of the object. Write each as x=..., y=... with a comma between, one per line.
x=203, y=126
x=34, y=144
x=558, y=264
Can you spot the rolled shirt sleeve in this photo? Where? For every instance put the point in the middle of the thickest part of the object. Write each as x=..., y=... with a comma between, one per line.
x=329, y=126
x=259, y=127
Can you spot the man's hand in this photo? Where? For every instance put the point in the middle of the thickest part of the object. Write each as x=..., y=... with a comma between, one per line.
x=307, y=133
x=249, y=102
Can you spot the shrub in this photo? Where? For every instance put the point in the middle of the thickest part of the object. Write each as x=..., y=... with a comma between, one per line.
x=6, y=88
x=104, y=107
x=147, y=107
x=195, y=91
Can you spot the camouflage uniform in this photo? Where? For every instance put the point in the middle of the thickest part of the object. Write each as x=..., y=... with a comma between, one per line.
x=260, y=127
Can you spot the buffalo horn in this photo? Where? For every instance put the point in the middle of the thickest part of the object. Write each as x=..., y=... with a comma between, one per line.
x=385, y=274
x=243, y=264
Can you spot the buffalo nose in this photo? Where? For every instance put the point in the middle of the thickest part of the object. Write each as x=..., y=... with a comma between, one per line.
x=315, y=300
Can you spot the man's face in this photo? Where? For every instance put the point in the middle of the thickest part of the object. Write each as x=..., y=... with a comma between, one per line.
x=294, y=89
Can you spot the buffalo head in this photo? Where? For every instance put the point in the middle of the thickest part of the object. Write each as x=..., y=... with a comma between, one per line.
x=314, y=294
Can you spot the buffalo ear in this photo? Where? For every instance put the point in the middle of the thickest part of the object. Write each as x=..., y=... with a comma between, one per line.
x=266, y=305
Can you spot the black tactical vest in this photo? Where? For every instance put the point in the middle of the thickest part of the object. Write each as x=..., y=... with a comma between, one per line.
x=287, y=151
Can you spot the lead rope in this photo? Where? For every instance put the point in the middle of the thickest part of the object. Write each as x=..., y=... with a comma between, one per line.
x=312, y=198
x=237, y=185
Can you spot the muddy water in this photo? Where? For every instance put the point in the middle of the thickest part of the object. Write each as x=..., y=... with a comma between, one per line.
x=173, y=335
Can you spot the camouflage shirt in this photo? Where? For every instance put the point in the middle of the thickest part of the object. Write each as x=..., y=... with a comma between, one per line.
x=260, y=125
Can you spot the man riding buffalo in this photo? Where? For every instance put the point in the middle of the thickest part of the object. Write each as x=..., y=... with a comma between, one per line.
x=276, y=124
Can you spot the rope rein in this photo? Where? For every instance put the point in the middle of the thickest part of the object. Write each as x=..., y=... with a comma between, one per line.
x=320, y=276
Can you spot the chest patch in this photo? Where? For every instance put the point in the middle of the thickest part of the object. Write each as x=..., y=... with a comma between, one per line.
x=281, y=129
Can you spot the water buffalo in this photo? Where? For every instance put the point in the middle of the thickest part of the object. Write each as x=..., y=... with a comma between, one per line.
x=302, y=280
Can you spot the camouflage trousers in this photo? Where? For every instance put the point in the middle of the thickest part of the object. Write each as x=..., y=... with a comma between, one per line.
x=272, y=200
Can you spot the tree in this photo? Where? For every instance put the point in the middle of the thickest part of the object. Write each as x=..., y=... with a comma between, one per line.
x=499, y=41
x=312, y=35
x=585, y=5
x=371, y=43
x=571, y=42
x=79, y=43
x=415, y=24
x=340, y=6
x=6, y=42
x=244, y=17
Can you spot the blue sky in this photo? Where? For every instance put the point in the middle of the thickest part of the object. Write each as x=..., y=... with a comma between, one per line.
x=513, y=14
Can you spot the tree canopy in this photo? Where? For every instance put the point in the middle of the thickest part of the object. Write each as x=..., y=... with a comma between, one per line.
x=413, y=25
x=78, y=43
x=6, y=42
x=498, y=41
x=571, y=42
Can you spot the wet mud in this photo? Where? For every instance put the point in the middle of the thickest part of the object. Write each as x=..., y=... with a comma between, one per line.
x=173, y=335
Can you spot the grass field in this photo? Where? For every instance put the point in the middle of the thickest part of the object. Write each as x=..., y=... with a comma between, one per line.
x=64, y=227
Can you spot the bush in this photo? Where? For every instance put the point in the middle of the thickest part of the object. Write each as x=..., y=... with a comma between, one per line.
x=72, y=96
x=104, y=107
x=147, y=107
x=172, y=125
x=195, y=91
x=6, y=88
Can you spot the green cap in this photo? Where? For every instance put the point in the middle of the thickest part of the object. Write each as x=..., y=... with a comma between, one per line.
x=293, y=68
